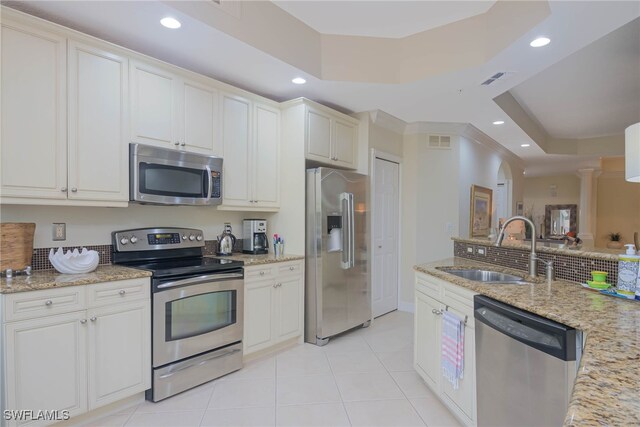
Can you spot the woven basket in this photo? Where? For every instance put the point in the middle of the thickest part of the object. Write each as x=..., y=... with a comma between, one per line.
x=16, y=245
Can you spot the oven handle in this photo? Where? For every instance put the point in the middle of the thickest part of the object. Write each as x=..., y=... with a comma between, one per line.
x=200, y=279
x=217, y=356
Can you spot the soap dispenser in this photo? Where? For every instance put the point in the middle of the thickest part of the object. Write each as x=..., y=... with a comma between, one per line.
x=628, y=267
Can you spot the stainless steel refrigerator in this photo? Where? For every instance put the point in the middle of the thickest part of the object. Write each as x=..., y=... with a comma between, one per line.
x=338, y=285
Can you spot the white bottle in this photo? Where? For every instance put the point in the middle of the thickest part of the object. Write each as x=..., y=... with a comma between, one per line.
x=628, y=267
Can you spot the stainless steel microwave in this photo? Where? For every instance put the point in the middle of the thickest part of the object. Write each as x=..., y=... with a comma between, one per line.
x=172, y=177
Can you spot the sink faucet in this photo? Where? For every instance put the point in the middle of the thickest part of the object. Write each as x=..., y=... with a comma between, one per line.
x=533, y=259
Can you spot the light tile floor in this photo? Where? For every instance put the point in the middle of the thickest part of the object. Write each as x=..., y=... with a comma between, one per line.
x=363, y=378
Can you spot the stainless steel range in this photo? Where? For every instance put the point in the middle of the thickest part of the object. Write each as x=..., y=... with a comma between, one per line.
x=197, y=306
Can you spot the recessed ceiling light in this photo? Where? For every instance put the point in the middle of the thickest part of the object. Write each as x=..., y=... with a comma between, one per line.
x=525, y=145
x=539, y=42
x=498, y=122
x=299, y=81
x=169, y=22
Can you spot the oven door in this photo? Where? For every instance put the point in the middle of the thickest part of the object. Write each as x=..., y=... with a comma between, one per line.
x=196, y=314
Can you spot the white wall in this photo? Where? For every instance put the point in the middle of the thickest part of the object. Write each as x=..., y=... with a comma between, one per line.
x=93, y=226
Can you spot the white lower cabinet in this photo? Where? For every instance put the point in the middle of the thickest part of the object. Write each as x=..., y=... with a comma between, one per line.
x=433, y=297
x=273, y=305
x=96, y=353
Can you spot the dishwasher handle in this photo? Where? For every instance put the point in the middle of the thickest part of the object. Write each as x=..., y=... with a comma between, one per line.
x=550, y=337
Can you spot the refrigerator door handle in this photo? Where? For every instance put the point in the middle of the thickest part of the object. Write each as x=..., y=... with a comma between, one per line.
x=348, y=231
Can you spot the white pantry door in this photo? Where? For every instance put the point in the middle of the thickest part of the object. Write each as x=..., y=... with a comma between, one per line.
x=385, y=236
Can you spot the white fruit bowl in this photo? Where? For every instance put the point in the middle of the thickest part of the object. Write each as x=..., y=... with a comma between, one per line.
x=74, y=262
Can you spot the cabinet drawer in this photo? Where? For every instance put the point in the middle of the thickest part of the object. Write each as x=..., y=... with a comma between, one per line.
x=27, y=305
x=290, y=268
x=259, y=272
x=424, y=285
x=118, y=291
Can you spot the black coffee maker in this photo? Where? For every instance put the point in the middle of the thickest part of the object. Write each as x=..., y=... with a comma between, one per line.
x=254, y=233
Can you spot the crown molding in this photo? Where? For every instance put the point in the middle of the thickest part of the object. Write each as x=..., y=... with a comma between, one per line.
x=387, y=121
x=450, y=128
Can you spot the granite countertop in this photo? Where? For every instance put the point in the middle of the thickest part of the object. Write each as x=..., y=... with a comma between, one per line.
x=608, y=381
x=597, y=253
x=48, y=279
x=250, y=259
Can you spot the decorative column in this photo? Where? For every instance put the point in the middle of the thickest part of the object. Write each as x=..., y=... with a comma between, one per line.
x=587, y=208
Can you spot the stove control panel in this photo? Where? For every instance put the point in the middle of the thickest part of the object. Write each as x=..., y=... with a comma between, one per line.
x=147, y=239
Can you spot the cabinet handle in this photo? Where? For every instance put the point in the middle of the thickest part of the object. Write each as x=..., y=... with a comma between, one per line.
x=176, y=143
x=93, y=319
x=292, y=268
x=122, y=292
x=83, y=321
x=63, y=189
x=262, y=273
x=74, y=190
x=183, y=144
x=437, y=312
x=275, y=285
x=48, y=302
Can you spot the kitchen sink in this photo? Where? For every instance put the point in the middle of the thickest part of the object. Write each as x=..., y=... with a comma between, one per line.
x=486, y=276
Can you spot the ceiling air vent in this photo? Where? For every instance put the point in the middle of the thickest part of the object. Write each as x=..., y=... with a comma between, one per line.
x=492, y=79
x=440, y=141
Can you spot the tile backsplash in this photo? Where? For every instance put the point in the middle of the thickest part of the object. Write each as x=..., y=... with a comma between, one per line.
x=567, y=267
x=41, y=255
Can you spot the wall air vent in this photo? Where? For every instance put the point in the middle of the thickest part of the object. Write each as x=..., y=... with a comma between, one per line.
x=502, y=75
x=440, y=141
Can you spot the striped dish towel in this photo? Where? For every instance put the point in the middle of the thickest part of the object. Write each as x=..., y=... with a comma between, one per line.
x=452, y=348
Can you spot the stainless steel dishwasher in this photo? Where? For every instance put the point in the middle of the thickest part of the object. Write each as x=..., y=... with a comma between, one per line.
x=525, y=366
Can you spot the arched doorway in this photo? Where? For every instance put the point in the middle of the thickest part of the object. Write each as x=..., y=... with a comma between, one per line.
x=504, y=193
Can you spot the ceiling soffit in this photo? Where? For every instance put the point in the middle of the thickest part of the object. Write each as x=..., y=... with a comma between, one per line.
x=463, y=44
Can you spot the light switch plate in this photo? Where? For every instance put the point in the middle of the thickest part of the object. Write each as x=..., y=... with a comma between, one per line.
x=59, y=231
x=481, y=250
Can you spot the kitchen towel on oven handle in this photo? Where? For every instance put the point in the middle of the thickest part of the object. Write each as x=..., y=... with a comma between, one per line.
x=452, y=348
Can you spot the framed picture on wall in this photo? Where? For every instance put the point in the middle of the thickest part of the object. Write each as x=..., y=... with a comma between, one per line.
x=481, y=201
x=519, y=208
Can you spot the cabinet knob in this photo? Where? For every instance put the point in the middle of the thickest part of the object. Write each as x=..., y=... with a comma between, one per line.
x=48, y=302
x=292, y=268
x=176, y=143
x=122, y=292
x=262, y=273
x=93, y=319
x=63, y=189
x=183, y=144
x=74, y=190
x=83, y=321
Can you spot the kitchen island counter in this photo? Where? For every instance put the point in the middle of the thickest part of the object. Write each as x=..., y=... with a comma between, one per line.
x=608, y=381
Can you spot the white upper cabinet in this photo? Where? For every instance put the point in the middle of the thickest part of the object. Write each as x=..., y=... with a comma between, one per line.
x=64, y=118
x=171, y=110
x=153, y=105
x=34, y=112
x=251, y=145
x=98, y=124
x=236, y=120
x=331, y=137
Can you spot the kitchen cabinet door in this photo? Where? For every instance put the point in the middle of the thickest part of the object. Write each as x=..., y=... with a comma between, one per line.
x=46, y=364
x=318, y=137
x=266, y=155
x=153, y=104
x=200, y=118
x=98, y=124
x=345, y=138
x=33, y=112
x=427, y=341
x=288, y=307
x=119, y=351
x=236, y=119
x=258, y=315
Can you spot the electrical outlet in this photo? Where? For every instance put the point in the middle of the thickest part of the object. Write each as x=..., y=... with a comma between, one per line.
x=469, y=249
x=59, y=231
x=481, y=250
